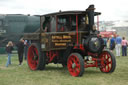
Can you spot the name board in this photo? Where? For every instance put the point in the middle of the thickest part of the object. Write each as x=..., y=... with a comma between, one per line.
x=61, y=40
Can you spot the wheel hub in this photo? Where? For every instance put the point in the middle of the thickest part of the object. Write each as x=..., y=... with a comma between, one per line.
x=73, y=65
x=35, y=58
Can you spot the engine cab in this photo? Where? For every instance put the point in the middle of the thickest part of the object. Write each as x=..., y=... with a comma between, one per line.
x=69, y=28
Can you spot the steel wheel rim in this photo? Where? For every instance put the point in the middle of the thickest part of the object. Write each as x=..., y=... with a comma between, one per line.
x=73, y=65
x=106, y=64
x=32, y=58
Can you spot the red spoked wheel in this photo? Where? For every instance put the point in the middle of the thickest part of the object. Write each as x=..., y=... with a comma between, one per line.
x=75, y=64
x=36, y=60
x=108, y=62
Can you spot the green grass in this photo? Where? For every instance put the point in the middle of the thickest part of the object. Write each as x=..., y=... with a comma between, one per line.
x=56, y=75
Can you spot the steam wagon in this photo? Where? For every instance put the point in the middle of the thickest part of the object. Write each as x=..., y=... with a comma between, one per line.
x=71, y=39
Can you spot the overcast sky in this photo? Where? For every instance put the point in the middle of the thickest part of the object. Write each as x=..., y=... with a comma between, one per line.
x=110, y=9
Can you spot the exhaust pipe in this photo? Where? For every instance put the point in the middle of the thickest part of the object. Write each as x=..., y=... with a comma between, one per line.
x=90, y=12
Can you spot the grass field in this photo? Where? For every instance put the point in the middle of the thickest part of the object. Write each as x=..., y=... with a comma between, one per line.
x=56, y=75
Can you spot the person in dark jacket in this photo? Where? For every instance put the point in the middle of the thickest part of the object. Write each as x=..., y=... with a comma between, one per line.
x=9, y=48
x=26, y=45
x=20, y=48
x=101, y=41
x=112, y=43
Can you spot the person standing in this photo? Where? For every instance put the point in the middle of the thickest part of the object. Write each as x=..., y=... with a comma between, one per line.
x=112, y=43
x=118, y=45
x=25, y=48
x=101, y=39
x=20, y=46
x=105, y=42
x=9, y=48
x=124, y=46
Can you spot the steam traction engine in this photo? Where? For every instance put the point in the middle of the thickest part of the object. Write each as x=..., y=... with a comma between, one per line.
x=69, y=38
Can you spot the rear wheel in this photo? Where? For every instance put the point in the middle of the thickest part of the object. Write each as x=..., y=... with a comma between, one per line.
x=108, y=63
x=75, y=64
x=36, y=58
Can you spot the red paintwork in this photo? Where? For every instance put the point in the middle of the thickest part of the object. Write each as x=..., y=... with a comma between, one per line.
x=106, y=63
x=73, y=60
x=31, y=61
x=51, y=55
x=62, y=29
x=94, y=64
x=92, y=54
x=80, y=47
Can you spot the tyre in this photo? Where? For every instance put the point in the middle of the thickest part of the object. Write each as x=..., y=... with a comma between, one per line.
x=108, y=64
x=35, y=58
x=75, y=64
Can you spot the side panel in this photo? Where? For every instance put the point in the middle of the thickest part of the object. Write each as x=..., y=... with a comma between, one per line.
x=59, y=40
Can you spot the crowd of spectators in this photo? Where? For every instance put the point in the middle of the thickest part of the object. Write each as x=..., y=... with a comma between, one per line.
x=118, y=43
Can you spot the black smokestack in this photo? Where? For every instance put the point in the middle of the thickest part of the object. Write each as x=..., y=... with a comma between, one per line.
x=90, y=11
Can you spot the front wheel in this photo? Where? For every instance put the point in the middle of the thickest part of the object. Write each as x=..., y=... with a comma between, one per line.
x=36, y=58
x=75, y=64
x=108, y=62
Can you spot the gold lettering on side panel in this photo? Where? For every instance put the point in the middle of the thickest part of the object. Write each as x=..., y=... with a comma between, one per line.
x=66, y=37
x=61, y=40
x=56, y=37
x=60, y=44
